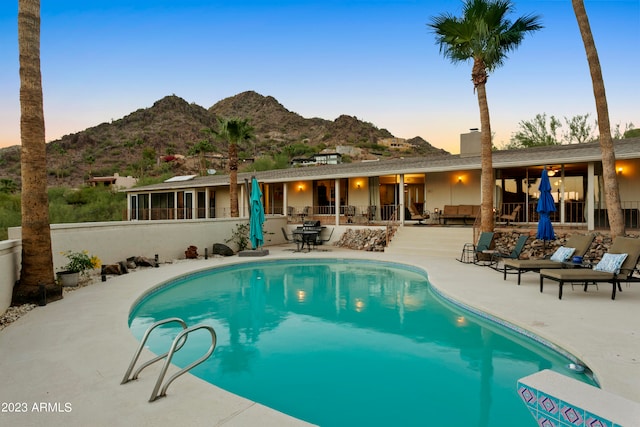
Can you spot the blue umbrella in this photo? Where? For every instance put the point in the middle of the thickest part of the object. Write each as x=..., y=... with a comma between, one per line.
x=546, y=205
x=257, y=215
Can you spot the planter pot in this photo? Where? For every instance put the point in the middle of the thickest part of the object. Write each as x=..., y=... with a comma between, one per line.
x=68, y=278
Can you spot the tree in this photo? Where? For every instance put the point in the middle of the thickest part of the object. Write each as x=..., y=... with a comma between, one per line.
x=579, y=130
x=611, y=190
x=233, y=131
x=482, y=35
x=534, y=133
x=37, y=256
x=201, y=148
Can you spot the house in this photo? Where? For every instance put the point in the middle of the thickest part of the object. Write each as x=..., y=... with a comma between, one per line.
x=380, y=190
x=115, y=181
x=318, y=159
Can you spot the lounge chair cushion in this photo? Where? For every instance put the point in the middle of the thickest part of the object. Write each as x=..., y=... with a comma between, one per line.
x=562, y=254
x=610, y=263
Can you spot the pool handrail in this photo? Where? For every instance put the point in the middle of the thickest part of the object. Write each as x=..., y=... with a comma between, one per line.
x=175, y=346
x=143, y=341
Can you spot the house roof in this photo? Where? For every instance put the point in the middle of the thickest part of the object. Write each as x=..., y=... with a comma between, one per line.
x=556, y=154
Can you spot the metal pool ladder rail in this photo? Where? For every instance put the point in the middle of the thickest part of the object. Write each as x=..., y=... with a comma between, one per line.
x=159, y=390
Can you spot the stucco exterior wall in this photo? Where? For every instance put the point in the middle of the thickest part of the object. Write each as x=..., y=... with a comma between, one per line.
x=452, y=188
x=9, y=265
x=359, y=196
x=116, y=241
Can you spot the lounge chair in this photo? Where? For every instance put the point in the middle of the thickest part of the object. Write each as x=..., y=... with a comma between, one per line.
x=512, y=216
x=609, y=273
x=475, y=253
x=417, y=216
x=581, y=244
x=513, y=255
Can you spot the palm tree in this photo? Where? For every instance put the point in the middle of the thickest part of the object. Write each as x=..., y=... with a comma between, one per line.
x=37, y=257
x=482, y=35
x=233, y=131
x=611, y=191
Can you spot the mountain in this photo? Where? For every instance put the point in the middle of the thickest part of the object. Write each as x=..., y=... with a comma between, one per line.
x=137, y=143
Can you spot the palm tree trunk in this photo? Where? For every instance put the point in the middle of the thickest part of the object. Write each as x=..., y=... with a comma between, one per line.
x=487, y=182
x=233, y=179
x=37, y=257
x=611, y=190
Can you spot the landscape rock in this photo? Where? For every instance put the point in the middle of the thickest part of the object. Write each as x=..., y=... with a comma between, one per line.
x=222, y=249
x=365, y=239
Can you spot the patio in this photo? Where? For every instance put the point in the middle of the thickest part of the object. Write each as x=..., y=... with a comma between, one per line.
x=76, y=350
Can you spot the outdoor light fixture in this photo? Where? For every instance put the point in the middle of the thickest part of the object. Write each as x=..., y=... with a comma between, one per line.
x=619, y=170
x=300, y=187
x=460, y=179
x=358, y=184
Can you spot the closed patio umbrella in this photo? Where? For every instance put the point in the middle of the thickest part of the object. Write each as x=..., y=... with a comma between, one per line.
x=257, y=215
x=546, y=205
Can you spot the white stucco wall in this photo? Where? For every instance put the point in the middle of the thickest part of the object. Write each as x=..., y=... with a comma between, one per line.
x=116, y=241
x=9, y=264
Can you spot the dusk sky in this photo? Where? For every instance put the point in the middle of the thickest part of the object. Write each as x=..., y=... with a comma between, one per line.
x=373, y=59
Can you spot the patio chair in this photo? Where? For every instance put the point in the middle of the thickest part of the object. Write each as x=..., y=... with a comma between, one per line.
x=617, y=265
x=514, y=254
x=306, y=211
x=579, y=242
x=292, y=239
x=321, y=240
x=350, y=212
x=417, y=216
x=474, y=253
x=512, y=216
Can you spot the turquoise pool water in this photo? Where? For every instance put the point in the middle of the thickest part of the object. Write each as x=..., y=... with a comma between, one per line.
x=348, y=343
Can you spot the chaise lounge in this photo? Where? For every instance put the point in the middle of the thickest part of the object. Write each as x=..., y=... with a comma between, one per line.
x=514, y=255
x=618, y=265
x=580, y=243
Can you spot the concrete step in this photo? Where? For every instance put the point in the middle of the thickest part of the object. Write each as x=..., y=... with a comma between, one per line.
x=445, y=241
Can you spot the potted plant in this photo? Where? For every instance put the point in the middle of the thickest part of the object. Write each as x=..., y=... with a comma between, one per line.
x=80, y=263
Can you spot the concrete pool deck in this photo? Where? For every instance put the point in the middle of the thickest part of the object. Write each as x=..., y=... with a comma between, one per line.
x=62, y=364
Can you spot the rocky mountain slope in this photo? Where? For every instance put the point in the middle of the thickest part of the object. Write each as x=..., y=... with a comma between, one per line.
x=135, y=144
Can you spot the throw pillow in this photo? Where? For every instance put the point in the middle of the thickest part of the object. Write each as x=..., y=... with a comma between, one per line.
x=562, y=254
x=610, y=263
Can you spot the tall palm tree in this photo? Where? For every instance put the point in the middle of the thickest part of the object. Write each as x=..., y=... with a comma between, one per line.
x=233, y=131
x=482, y=35
x=37, y=257
x=611, y=190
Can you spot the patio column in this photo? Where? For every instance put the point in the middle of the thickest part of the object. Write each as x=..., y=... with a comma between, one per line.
x=285, y=198
x=401, y=198
x=561, y=198
x=336, y=189
x=590, y=196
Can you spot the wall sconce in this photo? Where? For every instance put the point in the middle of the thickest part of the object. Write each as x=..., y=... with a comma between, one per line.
x=300, y=187
x=460, y=179
x=358, y=185
x=619, y=170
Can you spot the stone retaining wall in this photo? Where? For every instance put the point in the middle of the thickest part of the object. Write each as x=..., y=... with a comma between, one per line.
x=537, y=249
x=364, y=239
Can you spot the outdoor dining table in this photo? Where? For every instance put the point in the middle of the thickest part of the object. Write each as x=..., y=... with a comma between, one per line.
x=305, y=236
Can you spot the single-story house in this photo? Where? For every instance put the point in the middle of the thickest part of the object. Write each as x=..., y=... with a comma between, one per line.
x=381, y=190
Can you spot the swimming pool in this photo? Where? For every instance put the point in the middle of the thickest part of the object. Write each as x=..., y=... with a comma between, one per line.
x=346, y=343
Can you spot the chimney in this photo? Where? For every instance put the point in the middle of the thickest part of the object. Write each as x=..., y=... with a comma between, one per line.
x=470, y=143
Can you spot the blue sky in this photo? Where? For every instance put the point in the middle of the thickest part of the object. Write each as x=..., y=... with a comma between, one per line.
x=373, y=59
